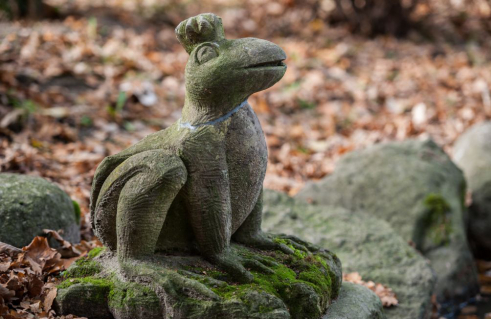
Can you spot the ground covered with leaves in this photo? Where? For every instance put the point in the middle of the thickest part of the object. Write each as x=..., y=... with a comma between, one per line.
x=98, y=79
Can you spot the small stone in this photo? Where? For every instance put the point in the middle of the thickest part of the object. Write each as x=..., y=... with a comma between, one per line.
x=29, y=204
x=472, y=153
x=355, y=302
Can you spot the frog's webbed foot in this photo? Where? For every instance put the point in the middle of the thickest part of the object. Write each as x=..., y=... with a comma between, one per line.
x=263, y=241
x=299, y=243
x=237, y=265
x=148, y=270
x=280, y=242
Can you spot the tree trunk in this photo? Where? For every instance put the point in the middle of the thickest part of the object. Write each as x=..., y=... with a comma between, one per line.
x=372, y=17
x=25, y=9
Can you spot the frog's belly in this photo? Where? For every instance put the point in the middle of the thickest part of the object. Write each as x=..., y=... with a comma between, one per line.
x=247, y=158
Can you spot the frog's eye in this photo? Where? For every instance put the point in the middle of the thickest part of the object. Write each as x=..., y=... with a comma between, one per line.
x=205, y=54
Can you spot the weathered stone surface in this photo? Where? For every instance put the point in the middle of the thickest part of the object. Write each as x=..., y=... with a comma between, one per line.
x=301, y=285
x=198, y=183
x=419, y=191
x=30, y=204
x=472, y=153
x=355, y=302
x=364, y=244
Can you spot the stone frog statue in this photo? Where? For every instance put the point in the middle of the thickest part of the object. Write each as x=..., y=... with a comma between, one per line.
x=197, y=184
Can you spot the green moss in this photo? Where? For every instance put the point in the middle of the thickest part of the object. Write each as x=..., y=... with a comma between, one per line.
x=291, y=273
x=132, y=296
x=82, y=268
x=304, y=281
x=78, y=213
x=437, y=220
x=116, y=293
x=85, y=266
x=98, y=282
x=95, y=252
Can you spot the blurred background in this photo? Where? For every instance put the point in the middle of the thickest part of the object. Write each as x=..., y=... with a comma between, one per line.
x=83, y=79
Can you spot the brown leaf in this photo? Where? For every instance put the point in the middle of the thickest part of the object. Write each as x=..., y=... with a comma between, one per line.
x=50, y=297
x=5, y=293
x=9, y=249
x=386, y=295
x=35, y=286
x=5, y=264
x=67, y=250
x=38, y=253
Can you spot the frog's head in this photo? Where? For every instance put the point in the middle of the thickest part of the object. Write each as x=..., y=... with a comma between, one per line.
x=221, y=71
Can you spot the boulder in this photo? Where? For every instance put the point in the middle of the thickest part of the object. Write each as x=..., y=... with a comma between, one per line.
x=364, y=244
x=300, y=285
x=29, y=204
x=418, y=190
x=472, y=153
x=355, y=302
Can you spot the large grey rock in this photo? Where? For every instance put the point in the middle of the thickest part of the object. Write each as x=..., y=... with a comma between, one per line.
x=472, y=152
x=355, y=302
x=419, y=191
x=364, y=244
x=30, y=204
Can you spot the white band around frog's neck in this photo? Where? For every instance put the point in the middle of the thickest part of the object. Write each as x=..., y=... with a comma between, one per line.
x=213, y=122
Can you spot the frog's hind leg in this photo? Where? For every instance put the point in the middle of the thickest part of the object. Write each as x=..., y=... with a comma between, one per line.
x=135, y=199
x=251, y=234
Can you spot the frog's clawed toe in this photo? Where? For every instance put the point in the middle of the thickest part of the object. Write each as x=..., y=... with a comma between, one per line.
x=299, y=244
x=283, y=243
x=233, y=265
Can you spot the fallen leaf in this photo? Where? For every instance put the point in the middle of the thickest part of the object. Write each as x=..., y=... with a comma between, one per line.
x=386, y=295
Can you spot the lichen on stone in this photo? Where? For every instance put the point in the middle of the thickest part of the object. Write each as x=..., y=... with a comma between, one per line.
x=437, y=220
x=299, y=285
x=85, y=266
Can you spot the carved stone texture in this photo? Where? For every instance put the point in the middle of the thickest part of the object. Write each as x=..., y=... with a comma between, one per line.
x=300, y=285
x=192, y=190
x=196, y=185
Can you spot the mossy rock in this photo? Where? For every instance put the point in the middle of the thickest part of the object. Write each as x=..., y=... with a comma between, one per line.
x=29, y=204
x=472, y=153
x=301, y=285
x=419, y=191
x=364, y=244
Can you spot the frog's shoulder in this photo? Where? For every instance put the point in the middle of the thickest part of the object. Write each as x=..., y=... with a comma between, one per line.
x=164, y=138
x=202, y=140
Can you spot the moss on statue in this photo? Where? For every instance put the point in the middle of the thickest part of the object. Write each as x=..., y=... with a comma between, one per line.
x=85, y=266
x=299, y=285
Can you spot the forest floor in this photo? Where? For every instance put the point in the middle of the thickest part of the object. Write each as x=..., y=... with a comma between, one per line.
x=98, y=79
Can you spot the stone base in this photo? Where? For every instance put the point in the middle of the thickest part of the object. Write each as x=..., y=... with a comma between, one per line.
x=301, y=285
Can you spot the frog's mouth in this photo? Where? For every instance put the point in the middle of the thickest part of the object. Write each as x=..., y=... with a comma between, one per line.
x=271, y=64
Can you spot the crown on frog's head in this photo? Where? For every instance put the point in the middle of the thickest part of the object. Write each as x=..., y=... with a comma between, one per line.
x=206, y=27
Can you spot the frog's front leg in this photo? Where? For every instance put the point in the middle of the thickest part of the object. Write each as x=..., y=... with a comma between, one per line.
x=208, y=201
